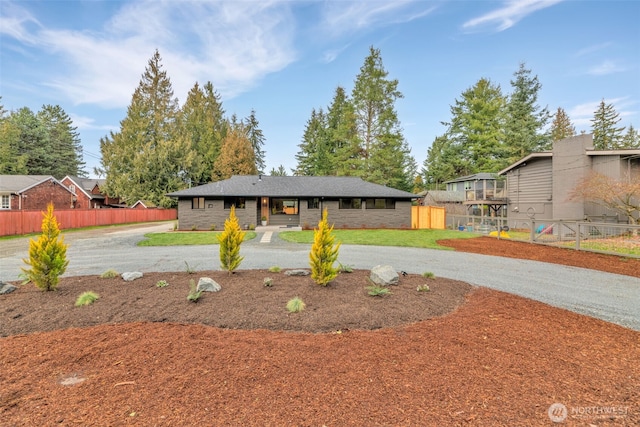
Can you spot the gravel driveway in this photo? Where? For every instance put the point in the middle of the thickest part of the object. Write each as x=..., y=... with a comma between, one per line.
x=611, y=297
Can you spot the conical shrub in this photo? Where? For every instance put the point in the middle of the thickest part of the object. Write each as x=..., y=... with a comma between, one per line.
x=323, y=253
x=230, y=240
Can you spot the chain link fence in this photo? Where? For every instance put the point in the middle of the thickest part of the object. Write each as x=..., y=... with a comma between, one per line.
x=603, y=237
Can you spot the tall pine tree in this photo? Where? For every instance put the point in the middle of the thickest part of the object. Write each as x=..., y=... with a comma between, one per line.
x=606, y=135
x=561, y=126
x=148, y=157
x=257, y=139
x=525, y=120
x=386, y=157
x=64, y=141
x=313, y=158
x=205, y=127
x=237, y=156
x=631, y=139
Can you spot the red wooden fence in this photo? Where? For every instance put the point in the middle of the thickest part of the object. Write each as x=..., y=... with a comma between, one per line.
x=24, y=222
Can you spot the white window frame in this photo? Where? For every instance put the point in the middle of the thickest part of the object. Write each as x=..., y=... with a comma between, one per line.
x=5, y=201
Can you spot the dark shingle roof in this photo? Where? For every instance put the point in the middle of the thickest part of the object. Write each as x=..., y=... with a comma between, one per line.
x=292, y=186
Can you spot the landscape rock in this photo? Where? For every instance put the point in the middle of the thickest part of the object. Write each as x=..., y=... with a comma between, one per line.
x=207, y=284
x=130, y=276
x=297, y=272
x=384, y=275
x=6, y=288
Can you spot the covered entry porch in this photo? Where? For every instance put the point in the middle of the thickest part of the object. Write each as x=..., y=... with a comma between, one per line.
x=279, y=211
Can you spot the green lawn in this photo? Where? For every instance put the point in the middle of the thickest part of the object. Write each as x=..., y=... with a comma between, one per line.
x=408, y=238
x=185, y=238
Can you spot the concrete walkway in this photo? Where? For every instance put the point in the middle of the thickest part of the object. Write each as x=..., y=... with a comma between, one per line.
x=611, y=297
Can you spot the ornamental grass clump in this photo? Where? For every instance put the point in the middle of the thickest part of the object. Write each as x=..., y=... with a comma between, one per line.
x=194, y=293
x=295, y=305
x=47, y=255
x=323, y=253
x=109, y=274
x=230, y=240
x=86, y=298
x=377, y=291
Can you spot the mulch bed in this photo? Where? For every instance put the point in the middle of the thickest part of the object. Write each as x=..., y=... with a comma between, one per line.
x=453, y=356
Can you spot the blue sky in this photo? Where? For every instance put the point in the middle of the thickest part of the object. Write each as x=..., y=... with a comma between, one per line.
x=284, y=58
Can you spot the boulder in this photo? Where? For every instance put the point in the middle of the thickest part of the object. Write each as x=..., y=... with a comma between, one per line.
x=207, y=284
x=6, y=288
x=384, y=275
x=297, y=272
x=130, y=276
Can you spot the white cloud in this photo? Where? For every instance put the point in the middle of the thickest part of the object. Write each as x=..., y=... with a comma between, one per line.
x=343, y=17
x=605, y=68
x=509, y=14
x=13, y=21
x=231, y=44
x=591, y=49
x=88, y=123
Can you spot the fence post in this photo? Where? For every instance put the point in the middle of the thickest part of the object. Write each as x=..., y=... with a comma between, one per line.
x=532, y=233
x=578, y=235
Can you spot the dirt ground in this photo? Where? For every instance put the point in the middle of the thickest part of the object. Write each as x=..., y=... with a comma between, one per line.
x=453, y=356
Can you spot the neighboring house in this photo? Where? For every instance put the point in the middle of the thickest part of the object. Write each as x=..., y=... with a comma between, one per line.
x=294, y=201
x=483, y=194
x=88, y=192
x=540, y=185
x=24, y=192
x=452, y=201
x=143, y=204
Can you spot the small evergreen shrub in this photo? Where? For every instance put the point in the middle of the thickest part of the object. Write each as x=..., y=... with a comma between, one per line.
x=86, y=298
x=274, y=269
x=47, y=255
x=194, y=294
x=323, y=253
x=161, y=283
x=428, y=275
x=377, y=291
x=230, y=240
x=268, y=282
x=109, y=274
x=423, y=288
x=213, y=227
x=295, y=305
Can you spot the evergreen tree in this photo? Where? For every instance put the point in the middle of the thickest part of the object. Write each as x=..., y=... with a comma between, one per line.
x=314, y=158
x=342, y=136
x=64, y=142
x=475, y=133
x=323, y=253
x=281, y=171
x=230, y=240
x=33, y=143
x=148, y=157
x=606, y=136
x=205, y=128
x=443, y=162
x=631, y=139
x=12, y=160
x=385, y=154
x=256, y=137
x=561, y=126
x=525, y=120
x=237, y=156
x=47, y=255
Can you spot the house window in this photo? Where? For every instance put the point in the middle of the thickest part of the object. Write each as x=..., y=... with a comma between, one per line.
x=313, y=203
x=238, y=202
x=5, y=203
x=197, y=203
x=381, y=204
x=72, y=188
x=353, y=203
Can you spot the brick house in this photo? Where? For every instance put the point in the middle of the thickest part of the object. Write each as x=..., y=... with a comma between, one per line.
x=88, y=193
x=296, y=201
x=34, y=192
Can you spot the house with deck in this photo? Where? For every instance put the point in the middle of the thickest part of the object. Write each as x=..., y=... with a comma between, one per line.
x=294, y=201
x=540, y=185
x=482, y=194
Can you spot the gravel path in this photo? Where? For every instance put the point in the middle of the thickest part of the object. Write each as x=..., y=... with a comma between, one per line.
x=611, y=297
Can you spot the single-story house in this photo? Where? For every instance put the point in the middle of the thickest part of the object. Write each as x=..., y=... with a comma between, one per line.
x=88, y=193
x=24, y=192
x=143, y=204
x=540, y=185
x=294, y=201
